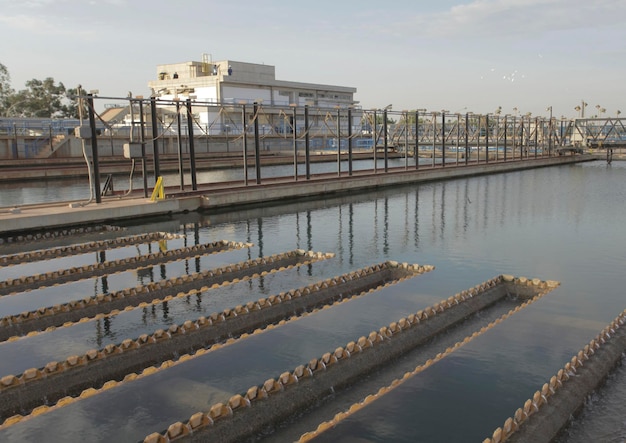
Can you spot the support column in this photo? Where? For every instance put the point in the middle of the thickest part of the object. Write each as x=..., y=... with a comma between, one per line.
x=349, y=141
x=385, y=146
x=94, y=149
x=244, y=119
x=257, y=154
x=142, y=140
x=307, y=146
x=192, y=150
x=180, y=148
x=155, y=138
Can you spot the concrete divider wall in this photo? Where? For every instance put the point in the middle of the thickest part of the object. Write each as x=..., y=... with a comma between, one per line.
x=82, y=248
x=276, y=399
x=57, y=315
x=549, y=409
x=47, y=217
x=23, y=392
x=48, y=235
x=27, y=283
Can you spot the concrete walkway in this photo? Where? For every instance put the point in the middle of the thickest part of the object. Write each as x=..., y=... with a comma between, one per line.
x=29, y=218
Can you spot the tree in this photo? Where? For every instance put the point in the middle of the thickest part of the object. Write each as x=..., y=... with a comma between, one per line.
x=42, y=98
x=5, y=88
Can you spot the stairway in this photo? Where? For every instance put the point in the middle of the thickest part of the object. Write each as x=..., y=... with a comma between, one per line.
x=56, y=142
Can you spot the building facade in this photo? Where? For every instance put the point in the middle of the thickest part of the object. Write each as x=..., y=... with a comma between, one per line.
x=231, y=82
x=214, y=86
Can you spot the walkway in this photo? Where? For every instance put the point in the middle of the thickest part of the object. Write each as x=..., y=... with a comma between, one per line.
x=224, y=196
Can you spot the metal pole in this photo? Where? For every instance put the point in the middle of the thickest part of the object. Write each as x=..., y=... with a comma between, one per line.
x=486, y=138
x=542, y=125
x=434, y=134
x=536, y=134
x=526, y=136
x=467, y=151
x=375, y=143
x=307, y=146
x=497, y=134
x=514, y=136
x=417, y=139
x=142, y=140
x=339, y=142
x=505, y=137
x=480, y=122
x=244, y=119
x=349, y=141
x=522, y=135
x=295, y=146
x=94, y=149
x=15, y=142
x=406, y=140
x=458, y=136
x=443, y=139
x=257, y=154
x=155, y=136
x=192, y=149
x=385, y=140
x=180, y=147
x=550, y=129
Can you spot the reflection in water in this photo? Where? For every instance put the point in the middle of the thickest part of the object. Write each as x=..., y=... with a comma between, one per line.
x=103, y=329
x=542, y=223
x=166, y=310
x=351, y=234
x=386, y=228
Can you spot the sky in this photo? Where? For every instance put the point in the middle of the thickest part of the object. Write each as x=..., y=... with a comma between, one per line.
x=453, y=55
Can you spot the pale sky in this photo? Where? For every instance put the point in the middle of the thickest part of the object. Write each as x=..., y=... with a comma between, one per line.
x=458, y=55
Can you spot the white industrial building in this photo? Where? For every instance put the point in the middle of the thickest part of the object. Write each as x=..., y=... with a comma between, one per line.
x=228, y=82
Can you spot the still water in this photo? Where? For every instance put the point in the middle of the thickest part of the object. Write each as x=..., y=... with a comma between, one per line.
x=47, y=191
x=561, y=223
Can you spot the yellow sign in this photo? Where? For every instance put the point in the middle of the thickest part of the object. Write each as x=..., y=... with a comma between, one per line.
x=158, y=193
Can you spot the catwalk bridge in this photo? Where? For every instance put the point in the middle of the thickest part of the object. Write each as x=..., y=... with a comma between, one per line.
x=187, y=135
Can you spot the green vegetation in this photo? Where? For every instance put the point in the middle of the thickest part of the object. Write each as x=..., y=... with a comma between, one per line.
x=41, y=98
